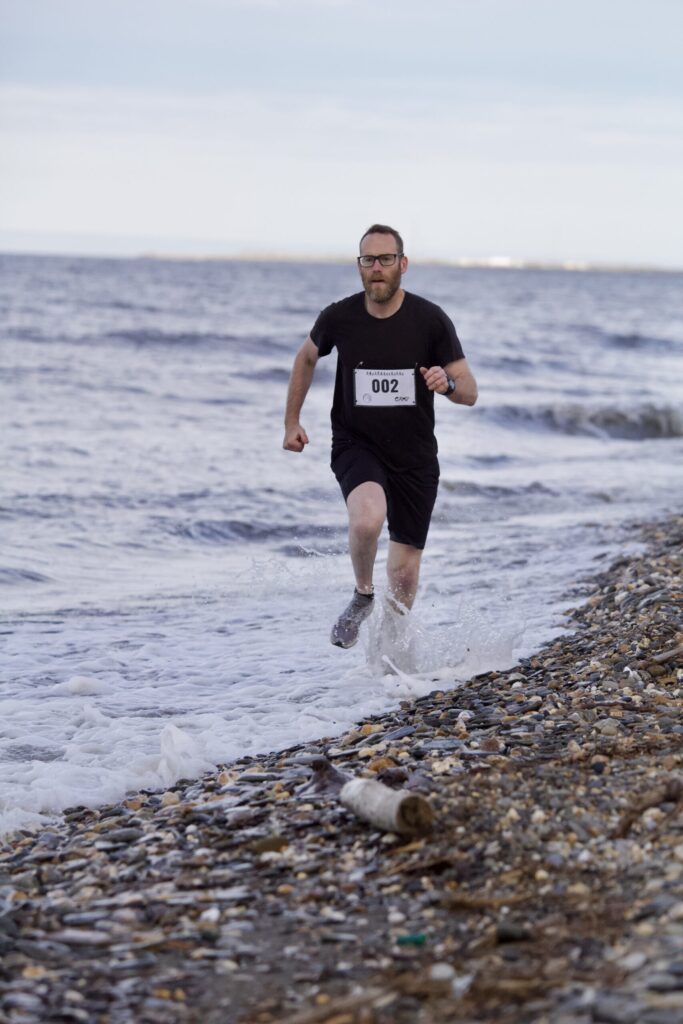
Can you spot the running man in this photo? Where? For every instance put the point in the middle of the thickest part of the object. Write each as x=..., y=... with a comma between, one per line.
x=395, y=350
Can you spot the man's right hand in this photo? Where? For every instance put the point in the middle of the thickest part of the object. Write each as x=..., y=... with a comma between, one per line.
x=295, y=439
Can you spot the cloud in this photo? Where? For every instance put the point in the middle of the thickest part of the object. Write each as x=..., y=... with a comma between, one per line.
x=469, y=173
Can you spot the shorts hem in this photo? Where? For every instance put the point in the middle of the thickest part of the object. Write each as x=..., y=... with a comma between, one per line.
x=408, y=543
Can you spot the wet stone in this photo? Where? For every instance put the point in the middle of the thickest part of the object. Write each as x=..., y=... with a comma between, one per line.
x=81, y=937
x=85, y=918
x=665, y=982
x=22, y=1001
x=125, y=835
x=615, y=1010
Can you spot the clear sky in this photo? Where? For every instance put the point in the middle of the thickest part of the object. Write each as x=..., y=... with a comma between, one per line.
x=529, y=129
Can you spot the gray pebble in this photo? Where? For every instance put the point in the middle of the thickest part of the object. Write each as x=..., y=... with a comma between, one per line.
x=22, y=1001
x=665, y=982
x=82, y=937
x=125, y=835
x=616, y=1010
x=664, y=1015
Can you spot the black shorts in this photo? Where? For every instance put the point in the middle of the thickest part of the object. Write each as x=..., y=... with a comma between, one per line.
x=410, y=493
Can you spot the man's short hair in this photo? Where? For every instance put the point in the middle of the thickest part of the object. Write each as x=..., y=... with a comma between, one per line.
x=383, y=229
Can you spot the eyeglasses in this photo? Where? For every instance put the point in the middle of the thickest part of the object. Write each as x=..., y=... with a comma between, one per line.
x=387, y=259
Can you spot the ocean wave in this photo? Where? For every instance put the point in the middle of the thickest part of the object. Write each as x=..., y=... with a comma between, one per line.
x=224, y=531
x=630, y=340
x=490, y=460
x=56, y=505
x=145, y=337
x=301, y=551
x=470, y=489
x=506, y=364
x=11, y=577
x=640, y=423
x=275, y=374
x=23, y=333
x=634, y=340
x=122, y=304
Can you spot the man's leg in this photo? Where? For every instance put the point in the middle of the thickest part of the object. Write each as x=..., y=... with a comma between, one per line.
x=403, y=572
x=367, y=509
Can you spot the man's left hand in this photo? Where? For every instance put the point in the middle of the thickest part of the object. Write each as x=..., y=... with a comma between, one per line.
x=435, y=378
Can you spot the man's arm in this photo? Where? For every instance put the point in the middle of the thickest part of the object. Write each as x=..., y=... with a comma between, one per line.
x=465, y=385
x=466, y=391
x=299, y=383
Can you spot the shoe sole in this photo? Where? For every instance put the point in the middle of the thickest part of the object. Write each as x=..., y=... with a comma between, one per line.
x=340, y=643
x=345, y=645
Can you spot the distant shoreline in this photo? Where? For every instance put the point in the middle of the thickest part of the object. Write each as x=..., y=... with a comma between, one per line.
x=458, y=263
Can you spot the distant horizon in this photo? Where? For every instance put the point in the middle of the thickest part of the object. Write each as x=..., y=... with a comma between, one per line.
x=260, y=256
x=197, y=250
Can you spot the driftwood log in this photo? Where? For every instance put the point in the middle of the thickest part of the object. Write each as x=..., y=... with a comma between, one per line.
x=388, y=809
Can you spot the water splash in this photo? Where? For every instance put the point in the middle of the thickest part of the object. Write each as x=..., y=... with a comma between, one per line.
x=400, y=643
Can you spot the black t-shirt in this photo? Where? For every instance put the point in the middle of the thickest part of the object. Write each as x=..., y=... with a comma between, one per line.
x=392, y=415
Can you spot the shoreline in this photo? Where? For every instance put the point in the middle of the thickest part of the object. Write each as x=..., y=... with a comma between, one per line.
x=550, y=890
x=575, y=265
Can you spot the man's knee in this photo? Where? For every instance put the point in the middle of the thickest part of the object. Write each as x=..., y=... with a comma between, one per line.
x=367, y=526
x=367, y=509
x=404, y=577
x=403, y=568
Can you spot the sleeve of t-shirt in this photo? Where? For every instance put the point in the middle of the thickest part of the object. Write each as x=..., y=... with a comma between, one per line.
x=447, y=342
x=321, y=332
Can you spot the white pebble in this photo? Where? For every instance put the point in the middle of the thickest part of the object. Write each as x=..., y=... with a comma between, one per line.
x=210, y=916
x=441, y=972
x=633, y=961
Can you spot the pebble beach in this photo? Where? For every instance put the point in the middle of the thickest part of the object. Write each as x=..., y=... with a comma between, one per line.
x=549, y=888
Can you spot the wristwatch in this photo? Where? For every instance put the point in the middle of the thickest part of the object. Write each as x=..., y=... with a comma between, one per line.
x=450, y=387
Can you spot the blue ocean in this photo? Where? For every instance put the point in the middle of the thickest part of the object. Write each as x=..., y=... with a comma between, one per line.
x=169, y=575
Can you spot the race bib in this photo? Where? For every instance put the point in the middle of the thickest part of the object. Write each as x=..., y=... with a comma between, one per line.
x=384, y=387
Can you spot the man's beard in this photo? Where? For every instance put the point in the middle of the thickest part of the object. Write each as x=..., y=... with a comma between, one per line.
x=383, y=291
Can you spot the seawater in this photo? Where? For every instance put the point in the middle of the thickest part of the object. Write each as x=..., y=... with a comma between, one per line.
x=169, y=575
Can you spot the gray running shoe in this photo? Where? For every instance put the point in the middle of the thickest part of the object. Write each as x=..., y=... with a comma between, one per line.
x=346, y=628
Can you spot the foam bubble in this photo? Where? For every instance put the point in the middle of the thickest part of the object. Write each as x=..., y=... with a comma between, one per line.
x=181, y=755
x=81, y=684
